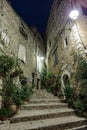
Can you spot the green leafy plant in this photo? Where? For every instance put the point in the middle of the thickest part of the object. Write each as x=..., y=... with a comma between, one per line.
x=77, y=97
x=6, y=65
x=12, y=94
x=69, y=93
x=26, y=92
x=81, y=78
x=17, y=71
x=4, y=113
x=81, y=71
x=17, y=97
x=79, y=105
x=50, y=81
x=44, y=75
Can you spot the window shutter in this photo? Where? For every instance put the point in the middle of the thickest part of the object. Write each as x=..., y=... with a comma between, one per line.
x=22, y=53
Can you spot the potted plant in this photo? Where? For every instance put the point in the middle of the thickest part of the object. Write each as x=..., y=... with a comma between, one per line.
x=9, y=69
x=26, y=92
x=17, y=97
x=4, y=113
x=12, y=96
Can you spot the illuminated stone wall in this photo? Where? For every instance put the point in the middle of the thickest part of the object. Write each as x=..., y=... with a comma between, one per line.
x=19, y=40
x=13, y=33
x=65, y=37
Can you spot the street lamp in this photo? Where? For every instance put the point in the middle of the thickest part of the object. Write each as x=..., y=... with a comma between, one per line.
x=74, y=14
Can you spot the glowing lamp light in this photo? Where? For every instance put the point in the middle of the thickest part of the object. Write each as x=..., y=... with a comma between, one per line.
x=74, y=14
x=42, y=58
x=39, y=63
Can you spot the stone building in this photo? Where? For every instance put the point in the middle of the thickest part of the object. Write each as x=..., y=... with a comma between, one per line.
x=17, y=39
x=65, y=37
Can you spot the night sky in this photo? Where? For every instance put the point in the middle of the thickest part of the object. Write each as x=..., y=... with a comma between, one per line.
x=33, y=12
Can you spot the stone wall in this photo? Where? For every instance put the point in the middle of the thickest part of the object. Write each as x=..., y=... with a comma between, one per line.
x=65, y=38
x=19, y=40
x=17, y=32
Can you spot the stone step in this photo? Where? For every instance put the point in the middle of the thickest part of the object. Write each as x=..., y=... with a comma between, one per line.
x=42, y=94
x=46, y=101
x=31, y=115
x=43, y=106
x=79, y=128
x=62, y=123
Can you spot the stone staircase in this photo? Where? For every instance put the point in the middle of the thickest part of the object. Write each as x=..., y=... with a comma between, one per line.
x=46, y=112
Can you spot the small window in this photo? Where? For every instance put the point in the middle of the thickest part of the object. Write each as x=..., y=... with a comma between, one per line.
x=49, y=43
x=58, y=3
x=5, y=38
x=84, y=10
x=22, y=31
x=55, y=57
x=22, y=53
x=65, y=42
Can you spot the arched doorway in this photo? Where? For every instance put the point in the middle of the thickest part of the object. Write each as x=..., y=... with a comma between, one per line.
x=65, y=80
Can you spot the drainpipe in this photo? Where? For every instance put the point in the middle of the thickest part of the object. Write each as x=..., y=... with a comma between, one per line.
x=0, y=93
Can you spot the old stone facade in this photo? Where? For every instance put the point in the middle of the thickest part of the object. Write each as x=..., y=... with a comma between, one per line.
x=65, y=37
x=17, y=39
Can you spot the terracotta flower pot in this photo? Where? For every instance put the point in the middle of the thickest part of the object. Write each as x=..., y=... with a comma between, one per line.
x=13, y=108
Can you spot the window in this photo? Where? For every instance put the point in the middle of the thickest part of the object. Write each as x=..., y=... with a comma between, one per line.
x=5, y=38
x=22, y=53
x=65, y=42
x=22, y=31
x=58, y=3
x=49, y=43
x=55, y=57
x=84, y=10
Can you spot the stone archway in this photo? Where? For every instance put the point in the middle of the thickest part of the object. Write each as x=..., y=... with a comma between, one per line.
x=65, y=79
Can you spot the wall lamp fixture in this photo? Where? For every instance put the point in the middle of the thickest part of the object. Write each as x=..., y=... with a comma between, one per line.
x=74, y=14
